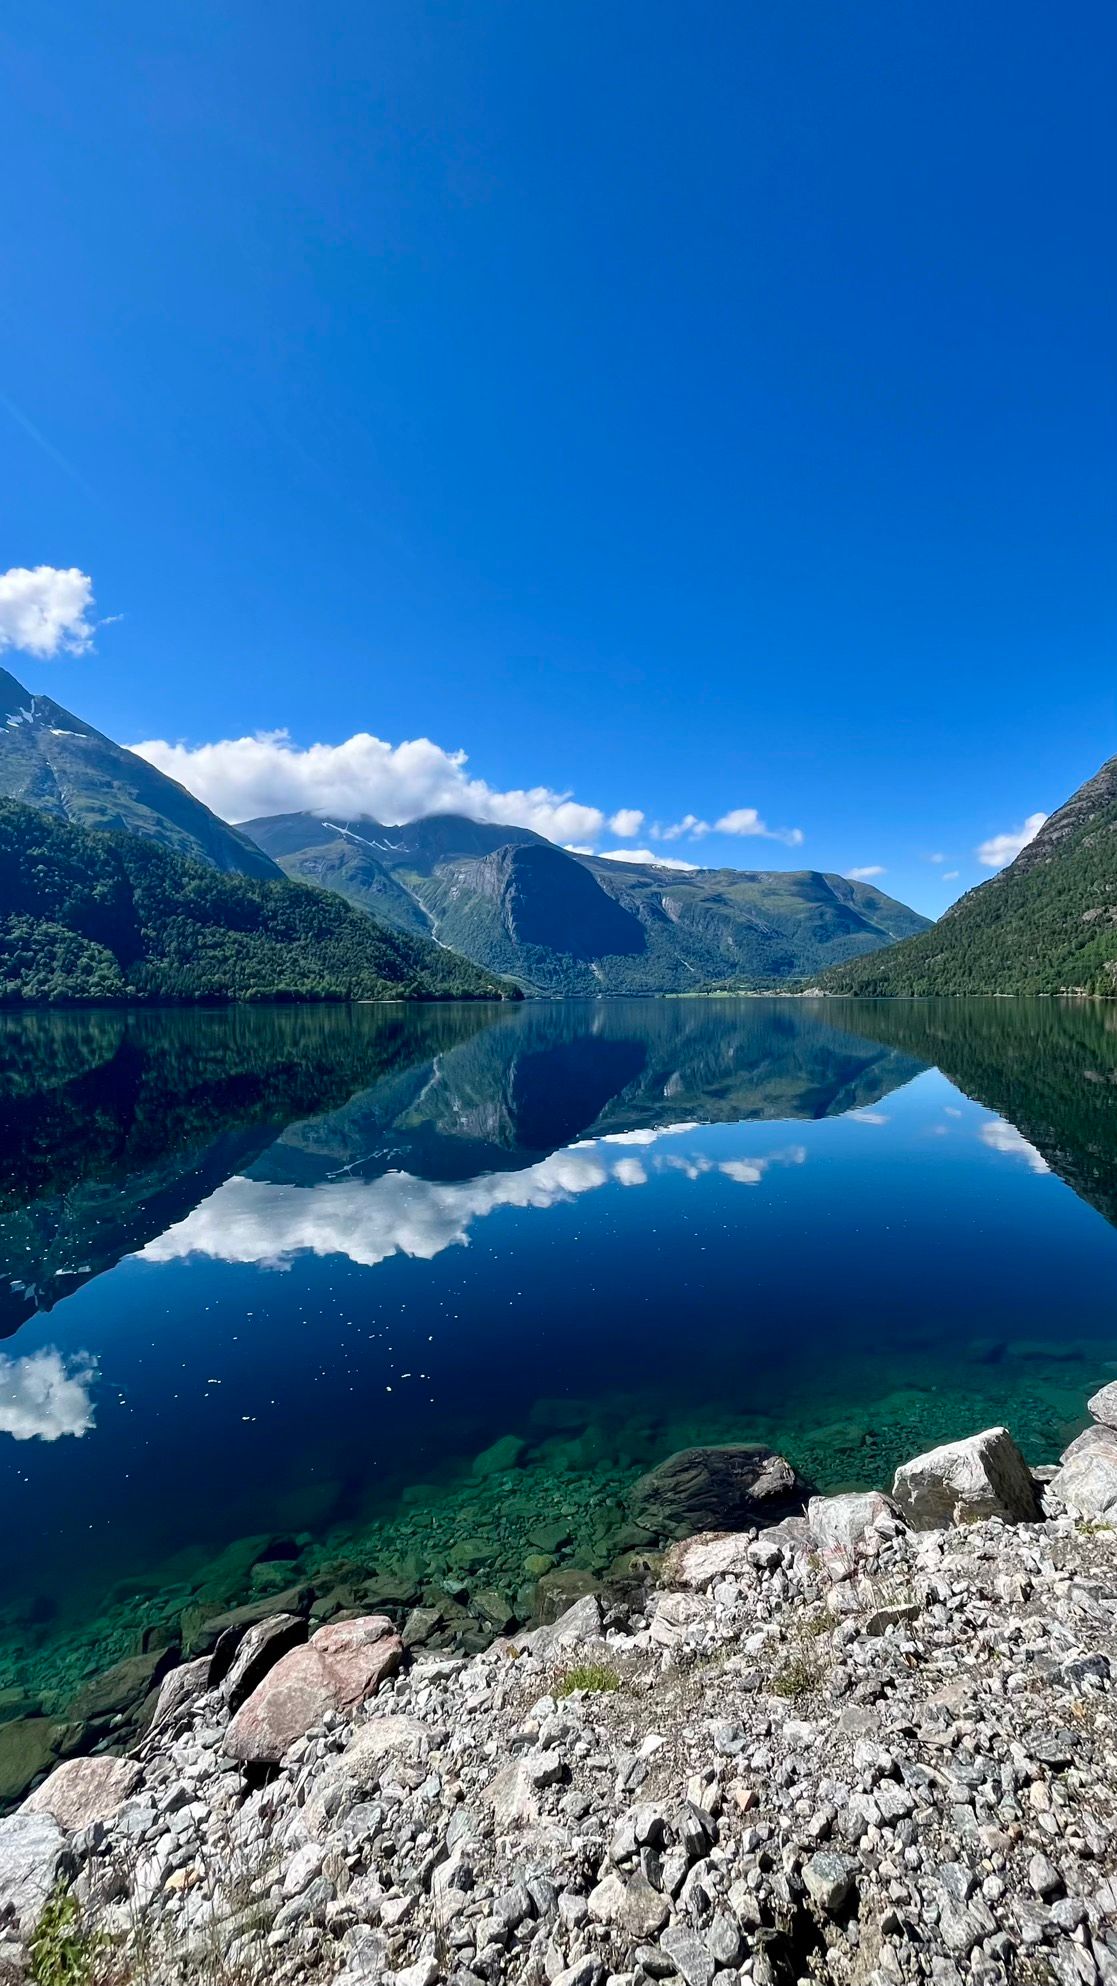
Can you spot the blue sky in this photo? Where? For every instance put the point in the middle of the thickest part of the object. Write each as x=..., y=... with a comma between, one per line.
x=698, y=410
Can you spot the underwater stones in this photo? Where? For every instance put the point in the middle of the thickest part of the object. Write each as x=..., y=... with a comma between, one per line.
x=203, y=1636
x=493, y=1608
x=549, y=1538
x=338, y=1668
x=1086, y=1484
x=501, y=1456
x=1103, y=1404
x=120, y=1692
x=259, y=1651
x=83, y=1790
x=33, y=1856
x=710, y=1489
x=557, y=1591
x=27, y=1746
x=964, y=1482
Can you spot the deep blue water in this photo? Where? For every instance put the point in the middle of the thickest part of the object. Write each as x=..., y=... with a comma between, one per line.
x=279, y=1271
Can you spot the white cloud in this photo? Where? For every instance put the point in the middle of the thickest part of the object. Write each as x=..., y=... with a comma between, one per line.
x=647, y=856
x=746, y=820
x=936, y=858
x=243, y=778
x=44, y=610
x=45, y=1395
x=950, y=875
x=874, y=1117
x=627, y=820
x=750, y=1172
x=690, y=825
x=630, y=1172
x=1002, y=848
x=866, y=874
x=739, y=821
x=1005, y=1138
x=578, y=847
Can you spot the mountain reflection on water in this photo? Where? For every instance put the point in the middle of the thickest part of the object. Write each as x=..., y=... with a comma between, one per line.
x=115, y=1129
x=297, y=1268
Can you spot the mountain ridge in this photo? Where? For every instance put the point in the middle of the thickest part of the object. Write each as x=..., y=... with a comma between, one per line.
x=562, y=922
x=56, y=762
x=1046, y=924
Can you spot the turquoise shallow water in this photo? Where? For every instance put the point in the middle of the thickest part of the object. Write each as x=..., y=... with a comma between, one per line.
x=289, y=1274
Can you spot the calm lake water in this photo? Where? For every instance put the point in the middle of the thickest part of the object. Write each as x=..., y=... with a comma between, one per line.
x=293, y=1272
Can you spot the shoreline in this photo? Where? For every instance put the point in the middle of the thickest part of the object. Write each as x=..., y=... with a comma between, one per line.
x=870, y=1741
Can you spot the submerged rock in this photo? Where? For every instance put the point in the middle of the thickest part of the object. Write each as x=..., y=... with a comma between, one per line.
x=964, y=1482
x=338, y=1668
x=121, y=1690
x=710, y=1489
x=27, y=1746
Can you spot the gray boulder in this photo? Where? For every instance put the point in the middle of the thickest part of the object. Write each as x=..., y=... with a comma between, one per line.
x=179, y=1691
x=716, y=1489
x=964, y=1482
x=259, y=1650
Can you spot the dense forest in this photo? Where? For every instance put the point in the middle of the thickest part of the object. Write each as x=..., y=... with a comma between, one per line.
x=91, y=917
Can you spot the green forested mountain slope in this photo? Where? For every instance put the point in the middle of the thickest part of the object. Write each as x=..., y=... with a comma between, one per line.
x=94, y=917
x=561, y=923
x=51, y=759
x=1046, y=924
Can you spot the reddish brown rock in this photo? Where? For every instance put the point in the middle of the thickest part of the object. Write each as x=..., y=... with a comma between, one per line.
x=338, y=1668
x=84, y=1790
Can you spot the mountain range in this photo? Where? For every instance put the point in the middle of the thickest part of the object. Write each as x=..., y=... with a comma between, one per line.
x=552, y=920
x=563, y=923
x=1046, y=924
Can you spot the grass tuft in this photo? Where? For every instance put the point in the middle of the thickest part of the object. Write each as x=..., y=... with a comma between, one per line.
x=591, y=1676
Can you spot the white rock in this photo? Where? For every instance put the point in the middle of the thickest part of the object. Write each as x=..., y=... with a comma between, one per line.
x=1103, y=1405
x=964, y=1482
x=32, y=1856
x=1086, y=1485
x=843, y=1526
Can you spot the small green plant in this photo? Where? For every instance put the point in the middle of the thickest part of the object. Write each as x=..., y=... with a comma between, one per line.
x=1094, y=1527
x=591, y=1676
x=62, y=1950
x=798, y=1677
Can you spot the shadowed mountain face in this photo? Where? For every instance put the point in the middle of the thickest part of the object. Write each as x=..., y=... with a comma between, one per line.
x=53, y=760
x=114, y=1128
x=1046, y=924
x=562, y=923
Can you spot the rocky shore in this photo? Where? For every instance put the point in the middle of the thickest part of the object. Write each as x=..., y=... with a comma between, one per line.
x=861, y=1738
